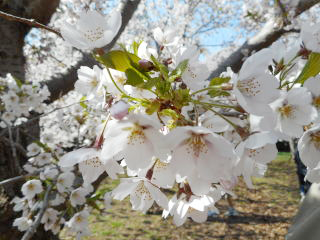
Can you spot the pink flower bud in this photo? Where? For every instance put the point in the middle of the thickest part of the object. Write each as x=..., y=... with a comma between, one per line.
x=146, y=65
x=119, y=110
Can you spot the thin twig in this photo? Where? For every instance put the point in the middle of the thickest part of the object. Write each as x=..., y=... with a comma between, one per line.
x=31, y=231
x=30, y=22
x=13, y=147
x=55, y=109
x=283, y=12
x=15, y=179
x=18, y=146
x=232, y=114
x=42, y=115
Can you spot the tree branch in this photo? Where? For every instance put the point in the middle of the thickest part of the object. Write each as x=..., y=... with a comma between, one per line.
x=16, y=165
x=31, y=231
x=18, y=146
x=30, y=22
x=63, y=83
x=17, y=178
x=264, y=38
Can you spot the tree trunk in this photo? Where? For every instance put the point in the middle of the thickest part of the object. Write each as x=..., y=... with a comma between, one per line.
x=12, y=61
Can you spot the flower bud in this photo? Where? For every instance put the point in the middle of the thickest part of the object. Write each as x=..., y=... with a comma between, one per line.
x=304, y=52
x=183, y=86
x=146, y=65
x=119, y=110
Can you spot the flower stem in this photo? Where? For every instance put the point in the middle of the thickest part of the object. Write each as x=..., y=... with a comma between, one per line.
x=214, y=104
x=204, y=89
x=119, y=89
x=235, y=126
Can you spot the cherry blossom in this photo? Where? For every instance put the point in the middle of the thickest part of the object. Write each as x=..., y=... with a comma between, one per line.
x=92, y=30
x=142, y=193
x=49, y=218
x=163, y=174
x=254, y=153
x=293, y=110
x=89, y=81
x=201, y=156
x=309, y=147
x=31, y=188
x=129, y=137
x=22, y=223
x=79, y=223
x=195, y=207
x=77, y=196
x=312, y=84
x=310, y=35
x=119, y=110
x=254, y=88
x=120, y=79
x=196, y=74
x=91, y=164
x=165, y=38
x=145, y=52
x=65, y=181
x=33, y=149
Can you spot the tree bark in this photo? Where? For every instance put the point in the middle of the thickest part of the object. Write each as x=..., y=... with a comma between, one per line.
x=12, y=61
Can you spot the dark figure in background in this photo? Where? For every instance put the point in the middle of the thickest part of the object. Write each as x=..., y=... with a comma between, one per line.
x=301, y=172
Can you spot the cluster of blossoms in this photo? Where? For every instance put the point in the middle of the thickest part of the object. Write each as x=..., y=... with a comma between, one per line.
x=60, y=189
x=165, y=125
x=18, y=99
x=76, y=123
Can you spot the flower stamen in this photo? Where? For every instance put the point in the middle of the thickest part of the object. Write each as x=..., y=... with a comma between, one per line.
x=249, y=87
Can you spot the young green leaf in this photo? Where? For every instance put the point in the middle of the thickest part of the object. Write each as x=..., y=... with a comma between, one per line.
x=161, y=67
x=82, y=102
x=18, y=81
x=219, y=80
x=170, y=113
x=152, y=107
x=135, y=46
x=217, y=92
x=311, y=69
x=119, y=60
x=181, y=97
x=176, y=73
x=134, y=78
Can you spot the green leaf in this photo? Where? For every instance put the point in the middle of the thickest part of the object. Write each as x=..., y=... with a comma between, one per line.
x=219, y=80
x=181, y=97
x=133, y=107
x=170, y=113
x=135, y=46
x=18, y=81
x=82, y=102
x=43, y=146
x=119, y=60
x=162, y=68
x=311, y=69
x=135, y=78
x=163, y=89
x=176, y=73
x=218, y=92
x=152, y=107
